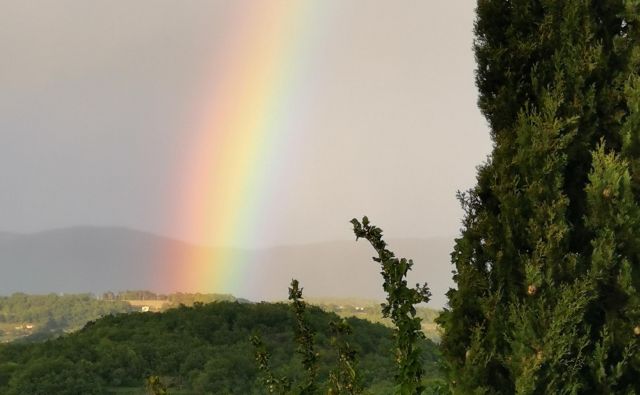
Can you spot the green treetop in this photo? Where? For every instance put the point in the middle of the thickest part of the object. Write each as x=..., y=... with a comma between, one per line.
x=547, y=266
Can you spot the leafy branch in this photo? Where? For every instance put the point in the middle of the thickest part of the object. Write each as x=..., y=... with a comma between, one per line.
x=400, y=307
x=274, y=385
x=344, y=378
x=304, y=338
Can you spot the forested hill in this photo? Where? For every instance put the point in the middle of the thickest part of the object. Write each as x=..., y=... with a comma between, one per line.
x=202, y=349
x=38, y=317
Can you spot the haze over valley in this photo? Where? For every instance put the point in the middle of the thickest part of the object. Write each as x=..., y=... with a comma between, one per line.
x=100, y=259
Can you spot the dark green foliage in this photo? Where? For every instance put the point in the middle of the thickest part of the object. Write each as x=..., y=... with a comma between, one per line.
x=155, y=386
x=547, y=266
x=272, y=384
x=197, y=350
x=400, y=307
x=51, y=374
x=304, y=340
x=344, y=378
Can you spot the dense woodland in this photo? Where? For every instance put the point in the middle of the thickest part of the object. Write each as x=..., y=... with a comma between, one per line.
x=203, y=349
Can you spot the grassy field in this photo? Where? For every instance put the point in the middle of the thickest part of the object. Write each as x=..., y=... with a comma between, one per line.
x=154, y=305
x=370, y=310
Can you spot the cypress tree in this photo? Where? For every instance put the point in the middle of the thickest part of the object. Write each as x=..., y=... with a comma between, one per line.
x=547, y=266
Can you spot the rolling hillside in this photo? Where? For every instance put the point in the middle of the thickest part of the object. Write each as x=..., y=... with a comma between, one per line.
x=203, y=349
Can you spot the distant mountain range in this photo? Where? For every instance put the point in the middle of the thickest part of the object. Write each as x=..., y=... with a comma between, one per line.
x=97, y=259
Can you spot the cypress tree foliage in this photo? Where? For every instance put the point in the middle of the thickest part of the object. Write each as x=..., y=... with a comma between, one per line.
x=547, y=265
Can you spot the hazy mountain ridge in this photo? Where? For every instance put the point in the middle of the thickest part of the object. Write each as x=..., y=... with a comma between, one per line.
x=98, y=259
x=6, y=236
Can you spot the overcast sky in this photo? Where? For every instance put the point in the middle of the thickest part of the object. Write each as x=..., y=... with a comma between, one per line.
x=95, y=96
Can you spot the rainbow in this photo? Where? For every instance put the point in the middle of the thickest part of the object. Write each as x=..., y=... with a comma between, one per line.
x=249, y=115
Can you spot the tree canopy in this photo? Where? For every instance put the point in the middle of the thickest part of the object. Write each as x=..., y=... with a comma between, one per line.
x=203, y=349
x=547, y=264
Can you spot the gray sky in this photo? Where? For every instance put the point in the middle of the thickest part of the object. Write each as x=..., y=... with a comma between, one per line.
x=95, y=96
